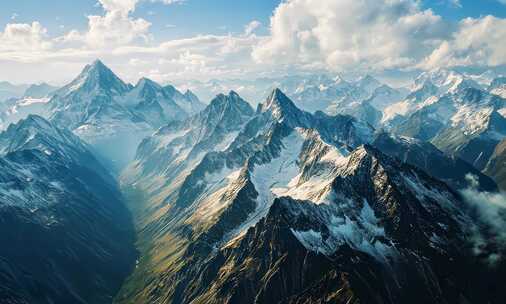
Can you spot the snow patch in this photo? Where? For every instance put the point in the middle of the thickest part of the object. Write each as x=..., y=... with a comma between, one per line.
x=271, y=180
x=361, y=232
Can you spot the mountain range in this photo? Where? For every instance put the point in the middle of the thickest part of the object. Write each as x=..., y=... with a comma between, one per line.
x=284, y=206
x=326, y=191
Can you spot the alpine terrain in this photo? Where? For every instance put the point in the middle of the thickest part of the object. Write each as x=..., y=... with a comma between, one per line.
x=253, y=152
x=340, y=191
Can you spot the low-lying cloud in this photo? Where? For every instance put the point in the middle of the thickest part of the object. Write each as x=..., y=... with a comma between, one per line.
x=490, y=209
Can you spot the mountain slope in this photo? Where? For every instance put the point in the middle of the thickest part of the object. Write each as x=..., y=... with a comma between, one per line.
x=358, y=220
x=466, y=123
x=427, y=157
x=90, y=102
x=285, y=209
x=39, y=90
x=114, y=116
x=91, y=106
x=348, y=249
x=152, y=102
x=498, y=87
x=427, y=89
x=67, y=238
x=8, y=90
x=496, y=167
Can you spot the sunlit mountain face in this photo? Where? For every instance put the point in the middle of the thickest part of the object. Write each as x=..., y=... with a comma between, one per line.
x=289, y=152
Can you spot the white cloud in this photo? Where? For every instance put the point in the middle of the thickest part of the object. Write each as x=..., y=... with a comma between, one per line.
x=476, y=42
x=251, y=27
x=348, y=33
x=115, y=29
x=336, y=35
x=24, y=37
x=123, y=6
x=490, y=209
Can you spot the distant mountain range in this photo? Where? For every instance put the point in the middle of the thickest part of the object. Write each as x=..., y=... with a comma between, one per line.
x=8, y=90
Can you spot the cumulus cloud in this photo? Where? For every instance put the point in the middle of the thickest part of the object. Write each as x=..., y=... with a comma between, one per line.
x=490, y=209
x=123, y=6
x=334, y=35
x=476, y=42
x=116, y=27
x=22, y=36
x=348, y=33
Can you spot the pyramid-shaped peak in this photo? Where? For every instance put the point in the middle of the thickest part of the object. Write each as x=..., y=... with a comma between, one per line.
x=96, y=66
x=277, y=96
x=97, y=76
x=278, y=100
x=98, y=63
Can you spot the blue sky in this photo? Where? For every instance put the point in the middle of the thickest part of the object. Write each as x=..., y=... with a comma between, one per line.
x=202, y=39
x=197, y=16
x=175, y=21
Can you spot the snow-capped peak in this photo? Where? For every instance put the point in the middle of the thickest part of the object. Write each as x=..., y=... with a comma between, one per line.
x=226, y=107
x=278, y=101
x=447, y=81
x=95, y=76
x=34, y=132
